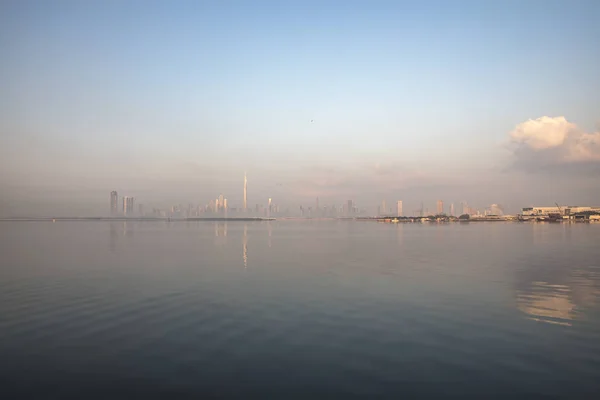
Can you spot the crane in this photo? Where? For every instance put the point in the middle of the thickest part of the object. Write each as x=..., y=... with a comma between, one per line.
x=559, y=209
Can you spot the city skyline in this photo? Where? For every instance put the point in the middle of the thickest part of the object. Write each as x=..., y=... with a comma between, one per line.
x=220, y=206
x=336, y=100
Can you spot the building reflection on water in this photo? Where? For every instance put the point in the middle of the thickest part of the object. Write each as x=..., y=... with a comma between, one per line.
x=119, y=229
x=245, y=246
x=220, y=229
x=269, y=229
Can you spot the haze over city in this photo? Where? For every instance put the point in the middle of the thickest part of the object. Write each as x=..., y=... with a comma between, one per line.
x=171, y=102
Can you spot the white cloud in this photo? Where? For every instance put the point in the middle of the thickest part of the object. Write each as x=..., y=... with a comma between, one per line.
x=551, y=141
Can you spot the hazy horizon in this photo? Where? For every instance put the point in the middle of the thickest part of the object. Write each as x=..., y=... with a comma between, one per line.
x=171, y=102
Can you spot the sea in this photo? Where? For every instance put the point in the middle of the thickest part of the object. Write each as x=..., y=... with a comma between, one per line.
x=299, y=309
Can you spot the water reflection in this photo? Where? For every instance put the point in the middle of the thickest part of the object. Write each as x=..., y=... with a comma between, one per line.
x=400, y=234
x=220, y=232
x=245, y=246
x=562, y=299
x=269, y=229
x=548, y=303
x=119, y=229
x=112, y=236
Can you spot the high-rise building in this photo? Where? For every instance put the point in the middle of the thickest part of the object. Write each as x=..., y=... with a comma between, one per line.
x=399, y=208
x=114, y=203
x=127, y=205
x=440, y=207
x=383, y=208
x=452, y=210
x=349, y=208
x=269, y=208
x=220, y=202
x=465, y=207
x=245, y=205
x=225, y=204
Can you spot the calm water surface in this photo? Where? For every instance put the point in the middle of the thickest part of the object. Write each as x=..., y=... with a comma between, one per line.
x=299, y=309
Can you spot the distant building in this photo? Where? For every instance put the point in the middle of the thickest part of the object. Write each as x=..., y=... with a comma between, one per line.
x=452, y=210
x=440, y=207
x=399, y=208
x=563, y=210
x=383, y=208
x=127, y=205
x=114, y=203
x=465, y=207
x=495, y=209
x=349, y=208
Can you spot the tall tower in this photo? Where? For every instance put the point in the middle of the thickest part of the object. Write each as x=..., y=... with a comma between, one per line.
x=440, y=207
x=452, y=210
x=399, y=208
x=245, y=206
x=114, y=203
x=127, y=205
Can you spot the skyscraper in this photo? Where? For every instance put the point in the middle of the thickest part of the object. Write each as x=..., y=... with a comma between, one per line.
x=127, y=205
x=245, y=206
x=452, y=210
x=114, y=203
x=269, y=208
x=383, y=208
x=399, y=208
x=440, y=207
x=349, y=208
x=221, y=202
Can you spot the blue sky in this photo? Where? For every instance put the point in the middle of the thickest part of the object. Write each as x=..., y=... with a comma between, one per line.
x=172, y=101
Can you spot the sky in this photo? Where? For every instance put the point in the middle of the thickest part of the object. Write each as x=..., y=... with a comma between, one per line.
x=170, y=102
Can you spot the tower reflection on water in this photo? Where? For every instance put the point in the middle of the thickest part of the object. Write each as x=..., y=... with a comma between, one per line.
x=220, y=230
x=245, y=246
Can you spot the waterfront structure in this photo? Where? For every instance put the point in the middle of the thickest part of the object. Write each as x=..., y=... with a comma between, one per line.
x=495, y=209
x=127, y=205
x=399, y=208
x=566, y=210
x=114, y=203
x=452, y=210
x=245, y=205
x=440, y=207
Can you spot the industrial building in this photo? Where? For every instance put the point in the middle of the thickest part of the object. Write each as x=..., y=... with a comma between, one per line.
x=562, y=210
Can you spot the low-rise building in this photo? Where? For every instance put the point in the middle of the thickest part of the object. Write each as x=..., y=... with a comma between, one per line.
x=566, y=210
